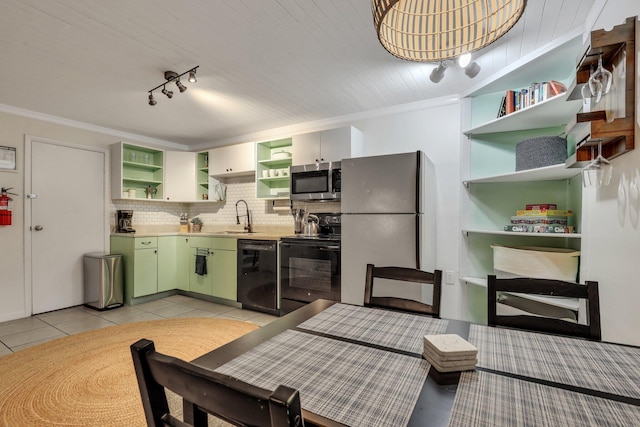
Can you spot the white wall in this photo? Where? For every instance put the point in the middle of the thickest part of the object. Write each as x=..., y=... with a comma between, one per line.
x=13, y=294
x=612, y=243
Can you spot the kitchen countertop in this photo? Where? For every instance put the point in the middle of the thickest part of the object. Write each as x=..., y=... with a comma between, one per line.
x=261, y=233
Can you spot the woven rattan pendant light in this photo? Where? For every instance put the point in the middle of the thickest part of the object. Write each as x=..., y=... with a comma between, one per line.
x=436, y=30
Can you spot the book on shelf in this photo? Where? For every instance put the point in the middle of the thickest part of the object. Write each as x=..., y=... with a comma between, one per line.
x=545, y=212
x=540, y=228
x=541, y=206
x=556, y=88
x=515, y=100
x=525, y=219
x=510, y=101
x=502, y=111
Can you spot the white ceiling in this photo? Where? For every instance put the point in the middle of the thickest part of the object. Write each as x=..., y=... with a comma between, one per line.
x=264, y=64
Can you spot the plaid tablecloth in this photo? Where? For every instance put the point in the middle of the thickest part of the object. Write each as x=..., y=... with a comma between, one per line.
x=589, y=364
x=349, y=383
x=487, y=399
x=401, y=331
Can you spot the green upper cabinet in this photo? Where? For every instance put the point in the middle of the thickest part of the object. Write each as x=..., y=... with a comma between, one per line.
x=202, y=176
x=273, y=159
x=136, y=171
x=232, y=160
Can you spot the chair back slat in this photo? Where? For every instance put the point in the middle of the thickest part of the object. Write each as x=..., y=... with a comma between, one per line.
x=235, y=401
x=555, y=288
x=403, y=274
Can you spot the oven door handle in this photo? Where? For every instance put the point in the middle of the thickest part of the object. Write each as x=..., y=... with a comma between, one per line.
x=332, y=248
x=329, y=248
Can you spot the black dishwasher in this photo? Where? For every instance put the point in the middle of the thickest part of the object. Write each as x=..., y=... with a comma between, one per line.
x=258, y=275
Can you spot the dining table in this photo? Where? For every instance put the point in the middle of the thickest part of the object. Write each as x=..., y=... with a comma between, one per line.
x=364, y=366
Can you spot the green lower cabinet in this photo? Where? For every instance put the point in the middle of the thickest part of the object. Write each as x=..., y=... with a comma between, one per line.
x=167, y=263
x=224, y=274
x=183, y=263
x=221, y=278
x=159, y=264
x=140, y=262
x=145, y=276
x=200, y=283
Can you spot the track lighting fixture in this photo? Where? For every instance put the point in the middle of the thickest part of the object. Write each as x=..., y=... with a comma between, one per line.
x=471, y=69
x=172, y=76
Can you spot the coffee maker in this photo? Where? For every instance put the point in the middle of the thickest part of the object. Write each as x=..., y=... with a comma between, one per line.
x=123, y=221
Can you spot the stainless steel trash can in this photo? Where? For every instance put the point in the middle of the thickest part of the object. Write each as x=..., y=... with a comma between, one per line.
x=103, y=280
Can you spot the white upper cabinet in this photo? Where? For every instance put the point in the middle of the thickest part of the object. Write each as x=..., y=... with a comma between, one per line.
x=180, y=176
x=325, y=146
x=232, y=160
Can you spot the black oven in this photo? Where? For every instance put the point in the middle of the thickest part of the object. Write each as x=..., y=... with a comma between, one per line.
x=310, y=267
x=317, y=181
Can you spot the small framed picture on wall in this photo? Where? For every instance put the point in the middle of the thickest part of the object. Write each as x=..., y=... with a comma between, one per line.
x=7, y=158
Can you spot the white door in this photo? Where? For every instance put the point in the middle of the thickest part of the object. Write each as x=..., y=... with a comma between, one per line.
x=67, y=220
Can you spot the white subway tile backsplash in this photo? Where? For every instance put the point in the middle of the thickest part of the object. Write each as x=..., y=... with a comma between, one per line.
x=148, y=212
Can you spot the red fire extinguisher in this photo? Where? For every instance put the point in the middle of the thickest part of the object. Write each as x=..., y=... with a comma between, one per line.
x=5, y=212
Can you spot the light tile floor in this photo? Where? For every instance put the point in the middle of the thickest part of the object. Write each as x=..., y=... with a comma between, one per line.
x=22, y=333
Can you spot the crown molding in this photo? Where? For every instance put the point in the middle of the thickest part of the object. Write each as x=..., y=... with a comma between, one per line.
x=89, y=127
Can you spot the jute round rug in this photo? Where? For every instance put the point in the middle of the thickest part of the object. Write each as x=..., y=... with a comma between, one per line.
x=88, y=379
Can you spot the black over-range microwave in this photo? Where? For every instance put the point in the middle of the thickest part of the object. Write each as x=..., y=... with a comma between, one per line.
x=317, y=181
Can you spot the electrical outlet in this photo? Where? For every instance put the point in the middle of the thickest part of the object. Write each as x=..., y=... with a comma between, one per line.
x=449, y=277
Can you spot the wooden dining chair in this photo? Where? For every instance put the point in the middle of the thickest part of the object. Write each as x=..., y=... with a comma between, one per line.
x=555, y=288
x=207, y=392
x=403, y=274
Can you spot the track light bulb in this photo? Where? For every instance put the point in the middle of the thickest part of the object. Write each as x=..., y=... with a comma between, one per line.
x=192, y=76
x=464, y=60
x=181, y=86
x=151, y=100
x=169, y=93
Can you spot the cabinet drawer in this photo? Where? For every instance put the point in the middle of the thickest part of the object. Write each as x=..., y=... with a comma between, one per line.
x=200, y=242
x=146, y=242
x=224, y=243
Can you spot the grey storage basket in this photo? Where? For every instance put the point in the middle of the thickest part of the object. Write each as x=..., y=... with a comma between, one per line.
x=540, y=151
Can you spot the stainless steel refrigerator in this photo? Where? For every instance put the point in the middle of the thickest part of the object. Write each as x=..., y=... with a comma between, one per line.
x=388, y=219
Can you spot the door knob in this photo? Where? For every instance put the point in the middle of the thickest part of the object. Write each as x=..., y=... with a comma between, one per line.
x=39, y=228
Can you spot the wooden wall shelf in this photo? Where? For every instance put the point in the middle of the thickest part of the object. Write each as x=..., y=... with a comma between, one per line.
x=617, y=136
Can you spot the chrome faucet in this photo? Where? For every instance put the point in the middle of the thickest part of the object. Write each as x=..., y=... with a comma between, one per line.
x=248, y=223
